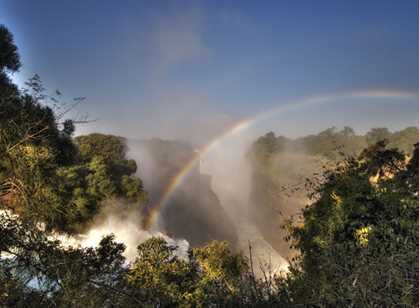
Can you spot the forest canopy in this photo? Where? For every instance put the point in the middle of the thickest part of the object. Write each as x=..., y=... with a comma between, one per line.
x=334, y=144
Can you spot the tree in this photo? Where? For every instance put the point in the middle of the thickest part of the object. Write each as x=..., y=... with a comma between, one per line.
x=358, y=241
x=166, y=279
x=9, y=62
x=9, y=57
x=377, y=134
x=211, y=276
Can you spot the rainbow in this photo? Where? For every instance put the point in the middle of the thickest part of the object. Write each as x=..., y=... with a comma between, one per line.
x=242, y=125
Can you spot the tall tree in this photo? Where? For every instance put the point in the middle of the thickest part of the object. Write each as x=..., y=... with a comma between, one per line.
x=9, y=62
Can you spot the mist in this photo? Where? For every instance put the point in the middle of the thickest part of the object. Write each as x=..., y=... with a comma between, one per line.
x=225, y=196
x=118, y=219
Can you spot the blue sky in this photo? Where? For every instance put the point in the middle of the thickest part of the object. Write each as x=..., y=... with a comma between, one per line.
x=187, y=69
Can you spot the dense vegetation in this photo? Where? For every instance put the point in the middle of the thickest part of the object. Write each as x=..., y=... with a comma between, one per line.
x=333, y=143
x=281, y=166
x=357, y=243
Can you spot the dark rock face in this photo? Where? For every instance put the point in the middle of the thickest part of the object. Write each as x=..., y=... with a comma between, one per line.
x=194, y=211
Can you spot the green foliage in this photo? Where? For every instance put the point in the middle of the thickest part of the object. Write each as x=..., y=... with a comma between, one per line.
x=9, y=62
x=358, y=242
x=165, y=279
x=106, y=156
x=223, y=275
x=213, y=276
x=9, y=57
x=107, y=146
x=333, y=144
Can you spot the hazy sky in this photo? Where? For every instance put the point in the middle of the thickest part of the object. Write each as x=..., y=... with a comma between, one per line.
x=187, y=69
